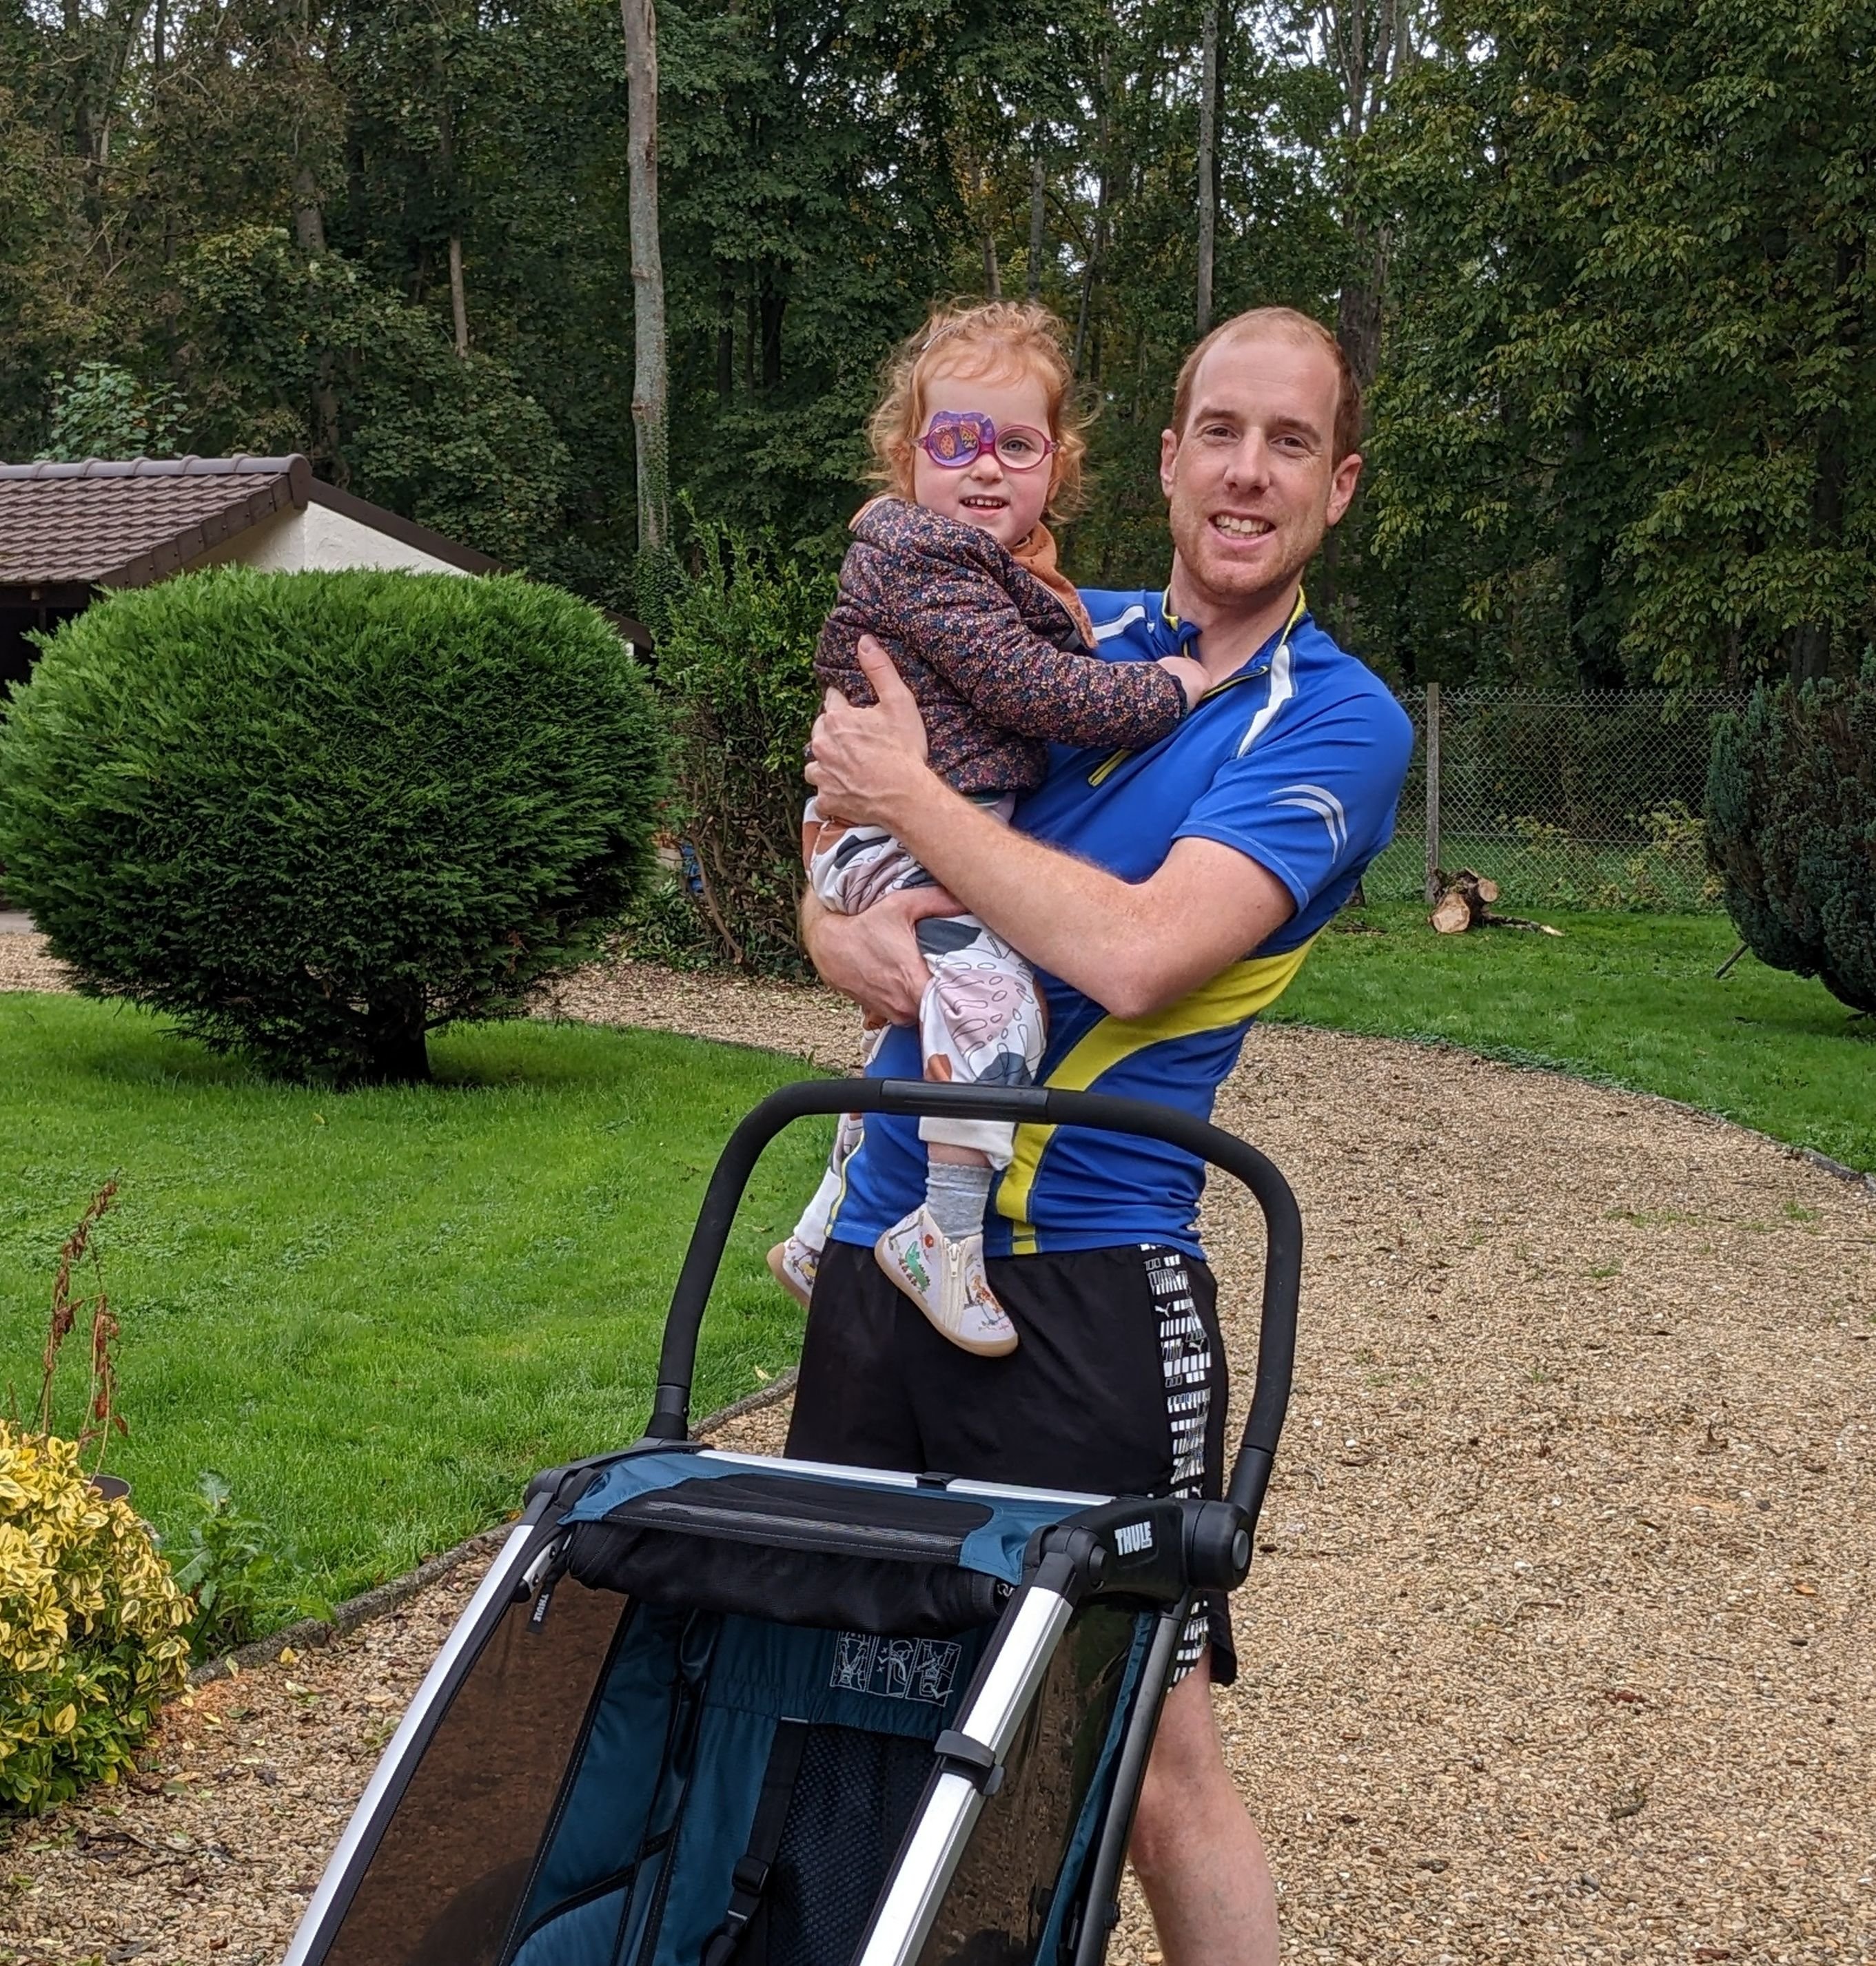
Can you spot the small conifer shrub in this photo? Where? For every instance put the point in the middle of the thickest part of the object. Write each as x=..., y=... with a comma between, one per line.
x=1791, y=830
x=313, y=817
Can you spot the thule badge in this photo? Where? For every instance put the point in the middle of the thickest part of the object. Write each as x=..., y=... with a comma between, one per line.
x=1130, y=1539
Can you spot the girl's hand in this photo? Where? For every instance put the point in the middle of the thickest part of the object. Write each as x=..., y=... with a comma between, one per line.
x=1189, y=675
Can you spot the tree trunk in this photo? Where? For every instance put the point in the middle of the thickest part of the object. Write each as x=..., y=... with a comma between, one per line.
x=1208, y=167
x=309, y=232
x=1036, y=187
x=773, y=304
x=726, y=337
x=751, y=337
x=309, y=220
x=399, y=1053
x=1811, y=647
x=650, y=397
x=1583, y=554
x=1090, y=270
x=458, y=301
x=1358, y=305
x=446, y=157
x=993, y=273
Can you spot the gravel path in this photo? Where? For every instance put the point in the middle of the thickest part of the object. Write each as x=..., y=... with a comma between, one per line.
x=1558, y=1643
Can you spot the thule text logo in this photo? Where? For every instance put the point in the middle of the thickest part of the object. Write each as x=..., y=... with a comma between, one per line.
x=1131, y=1538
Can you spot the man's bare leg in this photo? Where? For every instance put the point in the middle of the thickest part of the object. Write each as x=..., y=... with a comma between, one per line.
x=1196, y=1851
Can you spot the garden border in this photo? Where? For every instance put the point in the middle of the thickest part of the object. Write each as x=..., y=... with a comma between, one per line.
x=383, y=1598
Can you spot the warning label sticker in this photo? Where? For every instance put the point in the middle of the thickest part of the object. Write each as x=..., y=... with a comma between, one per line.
x=895, y=1668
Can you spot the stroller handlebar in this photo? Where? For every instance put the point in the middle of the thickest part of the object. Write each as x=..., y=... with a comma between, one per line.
x=1030, y=1105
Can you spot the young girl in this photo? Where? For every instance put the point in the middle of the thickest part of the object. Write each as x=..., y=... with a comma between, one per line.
x=954, y=571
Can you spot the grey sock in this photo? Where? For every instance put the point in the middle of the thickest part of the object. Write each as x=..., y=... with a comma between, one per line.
x=957, y=1196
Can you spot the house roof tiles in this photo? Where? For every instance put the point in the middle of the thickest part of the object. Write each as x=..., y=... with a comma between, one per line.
x=66, y=528
x=126, y=524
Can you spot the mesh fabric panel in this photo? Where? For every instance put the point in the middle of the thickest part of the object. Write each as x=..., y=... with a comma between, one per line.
x=854, y=1798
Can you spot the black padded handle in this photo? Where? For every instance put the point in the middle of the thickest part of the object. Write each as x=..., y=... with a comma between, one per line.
x=1033, y=1105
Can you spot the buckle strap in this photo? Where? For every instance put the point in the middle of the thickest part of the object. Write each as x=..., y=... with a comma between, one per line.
x=749, y=1879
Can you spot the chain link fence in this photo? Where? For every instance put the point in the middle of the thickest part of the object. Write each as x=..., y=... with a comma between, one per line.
x=1590, y=801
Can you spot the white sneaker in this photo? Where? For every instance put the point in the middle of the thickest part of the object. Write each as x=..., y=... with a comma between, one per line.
x=947, y=1281
x=793, y=1265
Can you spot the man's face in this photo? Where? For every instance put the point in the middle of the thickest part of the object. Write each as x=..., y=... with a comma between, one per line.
x=1251, y=488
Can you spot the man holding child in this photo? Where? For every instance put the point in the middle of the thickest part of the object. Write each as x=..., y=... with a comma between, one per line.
x=1162, y=896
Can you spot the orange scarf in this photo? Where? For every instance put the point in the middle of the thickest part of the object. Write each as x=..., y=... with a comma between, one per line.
x=1037, y=553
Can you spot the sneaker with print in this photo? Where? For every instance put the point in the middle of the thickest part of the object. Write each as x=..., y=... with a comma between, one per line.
x=946, y=1280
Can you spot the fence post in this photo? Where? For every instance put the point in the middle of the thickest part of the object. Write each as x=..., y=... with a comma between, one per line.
x=1432, y=791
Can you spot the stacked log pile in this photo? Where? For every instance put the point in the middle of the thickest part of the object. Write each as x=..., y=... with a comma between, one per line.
x=1464, y=900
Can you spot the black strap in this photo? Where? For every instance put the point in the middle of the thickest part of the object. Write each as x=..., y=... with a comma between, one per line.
x=749, y=1880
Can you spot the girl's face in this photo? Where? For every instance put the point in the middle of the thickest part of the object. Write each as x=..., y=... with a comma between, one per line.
x=1005, y=504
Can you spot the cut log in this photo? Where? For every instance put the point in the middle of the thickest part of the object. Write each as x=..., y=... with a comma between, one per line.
x=1452, y=913
x=1463, y=900
x=1459, y=901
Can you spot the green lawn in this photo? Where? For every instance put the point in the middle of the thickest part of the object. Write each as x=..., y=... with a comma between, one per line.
x=1629, y=999
x=377, y=1314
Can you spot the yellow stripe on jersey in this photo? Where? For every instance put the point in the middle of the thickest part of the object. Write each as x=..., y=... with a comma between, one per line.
x=1229, y=998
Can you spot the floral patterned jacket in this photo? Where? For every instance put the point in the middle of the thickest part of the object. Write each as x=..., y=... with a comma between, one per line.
x=995, y=661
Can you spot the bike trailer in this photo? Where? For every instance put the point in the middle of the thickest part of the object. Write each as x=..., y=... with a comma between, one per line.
x=712, y=1709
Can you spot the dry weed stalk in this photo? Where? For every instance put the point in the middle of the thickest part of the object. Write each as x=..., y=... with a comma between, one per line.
x=100, y=1414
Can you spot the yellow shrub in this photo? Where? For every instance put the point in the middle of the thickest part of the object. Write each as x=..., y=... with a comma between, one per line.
x=91, y=1626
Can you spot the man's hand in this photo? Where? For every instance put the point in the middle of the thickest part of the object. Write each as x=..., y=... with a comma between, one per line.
x=1192, y=677
x=873, y=957
x=867, y=761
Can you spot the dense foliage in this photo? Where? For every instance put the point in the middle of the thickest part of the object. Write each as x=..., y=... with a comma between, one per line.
x=1626, y=410
x=314, y=816
x=91, y=1626
x=1791, y=830
x=736, y=660
x=1605, y=264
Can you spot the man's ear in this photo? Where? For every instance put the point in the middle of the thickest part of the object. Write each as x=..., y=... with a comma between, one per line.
x=1169, y=450
x=1343, y=482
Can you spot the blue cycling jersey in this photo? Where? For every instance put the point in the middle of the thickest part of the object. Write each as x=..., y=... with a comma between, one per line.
x=1296, y=761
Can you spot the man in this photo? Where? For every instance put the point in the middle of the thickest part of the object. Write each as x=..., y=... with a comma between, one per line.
x=1135, y=884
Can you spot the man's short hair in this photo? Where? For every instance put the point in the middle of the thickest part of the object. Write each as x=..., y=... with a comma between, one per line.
x=1290, y=325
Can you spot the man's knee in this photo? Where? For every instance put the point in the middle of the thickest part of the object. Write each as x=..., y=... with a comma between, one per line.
x=1186, y=1777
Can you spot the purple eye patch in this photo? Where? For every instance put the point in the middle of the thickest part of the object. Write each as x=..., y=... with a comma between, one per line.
x=959, y=437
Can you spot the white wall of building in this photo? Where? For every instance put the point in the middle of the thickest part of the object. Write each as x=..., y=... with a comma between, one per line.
x=319, y=539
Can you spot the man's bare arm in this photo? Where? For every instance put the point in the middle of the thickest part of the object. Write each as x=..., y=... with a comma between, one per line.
x=1133, y=947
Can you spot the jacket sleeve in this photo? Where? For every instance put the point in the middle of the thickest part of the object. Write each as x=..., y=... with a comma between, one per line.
x=962, y=620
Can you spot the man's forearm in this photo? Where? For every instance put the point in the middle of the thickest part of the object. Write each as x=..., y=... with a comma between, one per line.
x=1133, y=947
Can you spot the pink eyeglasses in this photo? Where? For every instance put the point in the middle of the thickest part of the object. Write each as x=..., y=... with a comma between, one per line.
x=959, y=437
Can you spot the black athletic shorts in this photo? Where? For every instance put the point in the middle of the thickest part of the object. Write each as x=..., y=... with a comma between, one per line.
x=1118, y=1386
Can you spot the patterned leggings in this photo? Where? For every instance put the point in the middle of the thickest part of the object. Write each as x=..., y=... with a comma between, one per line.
x=980, y=1018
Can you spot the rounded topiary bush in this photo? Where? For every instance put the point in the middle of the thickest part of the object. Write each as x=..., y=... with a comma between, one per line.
x=1791, y=830
x=314, y=816
x=91, y=1626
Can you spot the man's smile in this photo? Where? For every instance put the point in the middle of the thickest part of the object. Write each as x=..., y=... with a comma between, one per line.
x=1236, y=526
